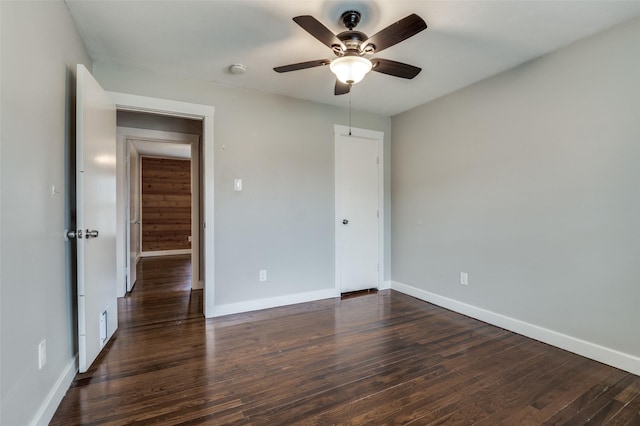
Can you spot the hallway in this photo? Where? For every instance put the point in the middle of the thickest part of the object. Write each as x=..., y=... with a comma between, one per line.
x=162, y=293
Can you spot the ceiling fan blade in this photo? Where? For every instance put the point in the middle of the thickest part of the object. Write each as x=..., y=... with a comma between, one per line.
x=341, y=88
x=396, y=69
x=395, y=33
x=319, y=31
x=302, y=65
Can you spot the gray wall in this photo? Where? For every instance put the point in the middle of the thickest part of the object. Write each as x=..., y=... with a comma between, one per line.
x=282, y=149
x=40, y=48
x=143, y=120
x=529, y=182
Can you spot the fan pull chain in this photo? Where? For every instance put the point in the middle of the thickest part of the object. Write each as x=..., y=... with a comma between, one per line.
x=349, y=112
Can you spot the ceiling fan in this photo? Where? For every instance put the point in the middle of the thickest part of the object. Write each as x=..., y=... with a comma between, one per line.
x=352, y=48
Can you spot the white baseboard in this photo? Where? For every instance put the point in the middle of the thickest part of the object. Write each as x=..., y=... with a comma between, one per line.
x=165, y=253
x=385, y=285
x=587, y=349
x=274, y=302
x=48, y=408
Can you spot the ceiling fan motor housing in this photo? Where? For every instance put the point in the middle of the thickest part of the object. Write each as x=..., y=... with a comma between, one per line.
x=352, y=40
x=351, y=19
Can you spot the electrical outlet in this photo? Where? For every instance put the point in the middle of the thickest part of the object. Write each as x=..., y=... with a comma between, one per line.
x=42, y=354
x=263, y=275
x=464, y=278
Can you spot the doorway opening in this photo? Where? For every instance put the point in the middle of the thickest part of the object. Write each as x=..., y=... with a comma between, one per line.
x=160, y=194
x=201, y=116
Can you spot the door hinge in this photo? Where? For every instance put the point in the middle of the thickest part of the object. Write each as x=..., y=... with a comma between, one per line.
x=378, y=214
x=377, y=160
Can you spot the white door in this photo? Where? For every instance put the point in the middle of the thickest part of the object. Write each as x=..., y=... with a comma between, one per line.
x=357, y=209
x=96, y=217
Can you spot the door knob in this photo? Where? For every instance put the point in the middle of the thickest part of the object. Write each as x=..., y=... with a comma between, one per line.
x=345, y=221
x=91, y=233
x=73, y=234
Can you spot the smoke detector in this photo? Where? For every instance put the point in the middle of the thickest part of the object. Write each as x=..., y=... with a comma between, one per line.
x=237, y=69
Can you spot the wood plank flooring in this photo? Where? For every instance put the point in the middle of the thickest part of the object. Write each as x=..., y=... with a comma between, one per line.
x=382, y=358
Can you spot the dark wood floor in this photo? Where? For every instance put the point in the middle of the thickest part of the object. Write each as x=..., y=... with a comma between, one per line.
x=382, y=358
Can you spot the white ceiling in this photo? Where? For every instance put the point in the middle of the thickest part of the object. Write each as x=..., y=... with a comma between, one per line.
x=466, y=41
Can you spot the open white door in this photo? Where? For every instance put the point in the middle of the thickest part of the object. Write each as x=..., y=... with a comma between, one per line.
x=358, y=205
x=96, y=217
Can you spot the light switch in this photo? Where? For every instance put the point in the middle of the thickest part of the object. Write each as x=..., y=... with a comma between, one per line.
x=237, y=184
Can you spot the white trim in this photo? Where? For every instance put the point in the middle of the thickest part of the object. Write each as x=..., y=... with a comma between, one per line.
x=131, y=185
x=386, y=285
x=340, y=130
x=208, y=221
x=127, y=102
x=587, y=349
x=122, y=229
x=155, y=253
x=50, y=404
x=274, y=302
x=205, y=113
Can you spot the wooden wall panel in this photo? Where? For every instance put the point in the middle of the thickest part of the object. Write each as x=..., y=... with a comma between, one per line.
x=166, y=204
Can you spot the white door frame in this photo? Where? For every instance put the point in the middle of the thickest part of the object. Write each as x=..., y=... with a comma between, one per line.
x=127, y=102
x=346, y=131
x=126, y=136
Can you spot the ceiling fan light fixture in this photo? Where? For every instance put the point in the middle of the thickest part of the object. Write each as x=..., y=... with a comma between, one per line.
x=350, y=69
